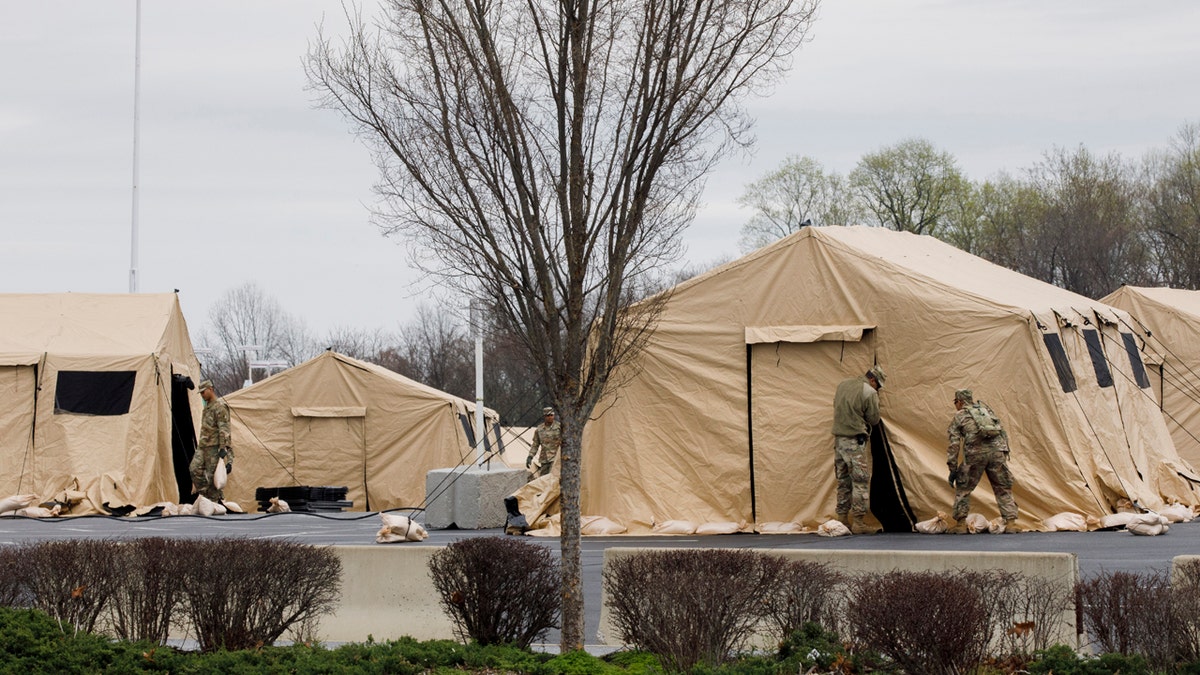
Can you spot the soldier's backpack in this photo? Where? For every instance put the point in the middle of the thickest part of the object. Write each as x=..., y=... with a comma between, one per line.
x=985, y=419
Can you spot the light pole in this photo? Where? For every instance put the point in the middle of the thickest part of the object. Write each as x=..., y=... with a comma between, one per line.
x=249, y=350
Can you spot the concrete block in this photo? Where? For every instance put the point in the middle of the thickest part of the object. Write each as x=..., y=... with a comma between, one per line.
x=469, y=498
x=1062, y=569
x=386, y=593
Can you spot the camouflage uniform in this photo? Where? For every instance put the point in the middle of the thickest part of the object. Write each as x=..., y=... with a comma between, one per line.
x=855, y=411
x=214, y=435
x=980, y=455
x=548, y=438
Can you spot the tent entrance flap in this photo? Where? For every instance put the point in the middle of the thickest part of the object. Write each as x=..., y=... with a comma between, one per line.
x=889, y=503
x=335, y=451
x=183, y=436
x=806, y=333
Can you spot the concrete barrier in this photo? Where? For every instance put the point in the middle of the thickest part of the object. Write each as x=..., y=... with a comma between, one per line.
x=470, y=498
x=1061, y=569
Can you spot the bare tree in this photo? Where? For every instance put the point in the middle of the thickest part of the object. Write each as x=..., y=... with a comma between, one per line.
x=542, y=154
x=1172, y=210
x=910, y=186
x=246, y=316
x=796, y=193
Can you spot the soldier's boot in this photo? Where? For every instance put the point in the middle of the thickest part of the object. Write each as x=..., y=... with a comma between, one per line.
x=1011, y=527
x=857, y=526
x=844, y=518
x=960, y=527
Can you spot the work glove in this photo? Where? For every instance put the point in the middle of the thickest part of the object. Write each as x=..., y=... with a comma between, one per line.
x=222, y=452
x=529, y=461
x=229, y=467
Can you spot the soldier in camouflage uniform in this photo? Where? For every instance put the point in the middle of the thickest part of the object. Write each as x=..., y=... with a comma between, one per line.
x=855, y=411
x=548, y=438
x=980, y=455
x=214, y=443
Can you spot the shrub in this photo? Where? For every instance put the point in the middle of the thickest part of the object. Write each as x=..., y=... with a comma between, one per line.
x=148, y=576
x=927, y=622
x=1185, y=600
x=242, y=593
x=14, y=590
x=71, y=580
x=497, y=590
x=1128, y=613
x=806, y=592
x=689, y=606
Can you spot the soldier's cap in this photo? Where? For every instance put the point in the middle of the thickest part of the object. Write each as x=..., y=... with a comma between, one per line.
x=547, y=411
x=205, y=384
x=877, y=372
x=964, y=395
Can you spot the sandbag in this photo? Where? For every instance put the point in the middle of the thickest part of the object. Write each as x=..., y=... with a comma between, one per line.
x=935, y=525
x=720, y=528
x=1112, y=521
x=16, y=502
x=833, y=528
x=233, y=507
x=39, y=511
x=675, y=527
x=599, y=525
x=976, y=523
x=220, y=475
x=278, y=506
x=1177, y=513
x=997, y=525
x=1065, y=522
x=1148, y=524
x=204, y=506
x=776, y=527
x=397, y=528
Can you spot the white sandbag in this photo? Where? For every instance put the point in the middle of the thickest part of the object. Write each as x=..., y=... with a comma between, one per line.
x=39, y=511
x=397, y=528
x=16, y=502
x=976, y=523
x=1177, y=513
x=599, y=526
x=675, y=527
x=278, y=506
x=1148, y=524
x=233, y=507
x=187, y=509
x=997, y=525
x=1066, y=522
x=219, y=509
x=1112, y=521
x=776, y=527
x=935, y=525
x=204, y=506
x=220, y=475
x=833, y=528
x=170, y=509
x=719, y=528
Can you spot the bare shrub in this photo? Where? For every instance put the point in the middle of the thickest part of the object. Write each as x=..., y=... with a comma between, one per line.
x=1128, y=613
x=690, y=606
x=1185, y=600
x=1039, y=608
x=71, y=580
x=927, y=622
x=242, y=593
x=14, y=589
x=498, y=590
x=148, y=577
x=805, y=592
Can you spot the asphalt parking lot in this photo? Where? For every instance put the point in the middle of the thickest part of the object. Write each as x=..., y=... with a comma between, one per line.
x=1097, y=551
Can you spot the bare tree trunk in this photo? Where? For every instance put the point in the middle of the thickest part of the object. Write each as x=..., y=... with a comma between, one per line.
x=570, y=542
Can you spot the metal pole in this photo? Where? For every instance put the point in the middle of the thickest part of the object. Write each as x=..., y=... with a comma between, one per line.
x=477, y=325
x=137, y=90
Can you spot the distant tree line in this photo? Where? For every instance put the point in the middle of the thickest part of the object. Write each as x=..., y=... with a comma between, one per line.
x=436, y=348
x=1082, y=221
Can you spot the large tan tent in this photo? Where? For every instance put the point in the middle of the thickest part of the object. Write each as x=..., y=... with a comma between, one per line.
x=340, y=422
x=96, y=397
x=1172, y=317
x=727, y=417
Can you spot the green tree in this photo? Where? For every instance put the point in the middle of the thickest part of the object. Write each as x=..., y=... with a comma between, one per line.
x=910, y=186
x=799, y=191
x=546, y=155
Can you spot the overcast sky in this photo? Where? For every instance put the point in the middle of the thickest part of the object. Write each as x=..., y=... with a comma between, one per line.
x=243, y=180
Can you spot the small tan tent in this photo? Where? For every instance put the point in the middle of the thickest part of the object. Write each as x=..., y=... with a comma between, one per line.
x=336, y=421
x=727, y=417
x=95, y=396
x=1172, y=317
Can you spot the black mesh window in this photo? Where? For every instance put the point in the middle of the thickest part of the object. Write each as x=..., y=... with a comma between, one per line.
x=1135, y=361
x=466, y=425
x=86, y=392
x=1066, y=377
x=1099, y=363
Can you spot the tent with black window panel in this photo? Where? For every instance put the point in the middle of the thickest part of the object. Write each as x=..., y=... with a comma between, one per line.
x=339, y=422
x=98, y=398
x=726, y=415
x=1168, y=321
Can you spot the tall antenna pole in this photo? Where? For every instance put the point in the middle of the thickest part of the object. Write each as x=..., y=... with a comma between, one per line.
x=137, y=91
